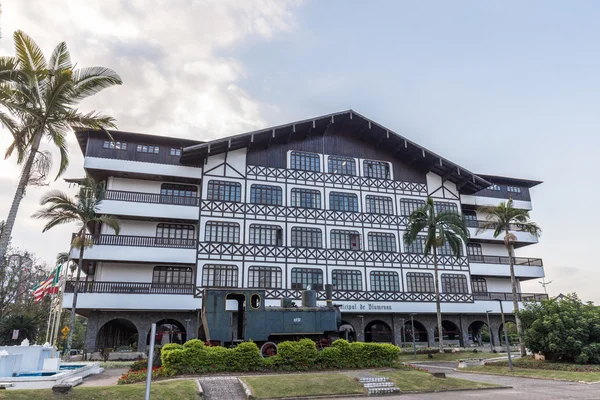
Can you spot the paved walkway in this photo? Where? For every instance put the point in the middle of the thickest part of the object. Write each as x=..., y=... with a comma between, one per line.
x=108, y=378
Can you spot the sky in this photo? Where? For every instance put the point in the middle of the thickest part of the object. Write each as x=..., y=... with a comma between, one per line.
x=505, y=88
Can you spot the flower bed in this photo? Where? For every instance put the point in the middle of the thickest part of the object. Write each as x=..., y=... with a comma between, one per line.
x=140, y=375
x=530, y=363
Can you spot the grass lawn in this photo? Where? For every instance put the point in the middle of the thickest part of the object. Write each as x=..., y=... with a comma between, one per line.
x=407, y=357
x=420, y=381
x=176, y=389
x=539, y=373
x=306, y=384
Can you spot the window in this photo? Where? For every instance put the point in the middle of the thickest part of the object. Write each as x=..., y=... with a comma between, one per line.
x=346, y=280
x=513, y=189
x=470, y=218
x=416, y=247
x=173, y=233
x=265, y=194
x=266, y=235
x=114, y=145
x=382, y=241
x=408, y=206
x=224, y=191
x=478, y=284
x=474, y=252
x=383, y=281
x=454, y=283
x=342, y=165
x=264, y=277
x=214, y=275
x=222, y=232
x=446, y=250
x=306, y=237
x=344, y=240
x=494, y=186
x=302, y=277
x=172, y=275
x=305, y=161
x=305, y=198
x=343, y=201
x=376, y=169
x=420, y=282
x=445, y=206
x=144, y=148
x=169, y=189
x=175, y=151
x=380, y=205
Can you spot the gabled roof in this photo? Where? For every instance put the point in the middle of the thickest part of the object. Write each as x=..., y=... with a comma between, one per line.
x=511, y=181
x=353, y=124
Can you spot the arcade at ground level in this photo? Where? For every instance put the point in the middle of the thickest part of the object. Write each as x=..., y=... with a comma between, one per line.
x=131, y=329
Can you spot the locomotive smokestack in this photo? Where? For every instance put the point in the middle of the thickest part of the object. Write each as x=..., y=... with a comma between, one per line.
x=329, y=294
x=309, y=298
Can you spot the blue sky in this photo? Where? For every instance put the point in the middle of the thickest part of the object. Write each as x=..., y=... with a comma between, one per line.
x=507, y=88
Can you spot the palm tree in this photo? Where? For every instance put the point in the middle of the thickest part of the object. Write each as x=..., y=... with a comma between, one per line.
x=61, y=209
x=439, y=228
x=502, y=219
x=64, y=258
x=38, y=100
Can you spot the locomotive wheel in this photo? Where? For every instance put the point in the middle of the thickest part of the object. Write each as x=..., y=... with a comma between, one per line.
x=269, y=349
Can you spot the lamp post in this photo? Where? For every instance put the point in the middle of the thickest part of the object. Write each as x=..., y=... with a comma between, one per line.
x=412, y=327
x=403, y=333
x=487, y=314
x=510, y=365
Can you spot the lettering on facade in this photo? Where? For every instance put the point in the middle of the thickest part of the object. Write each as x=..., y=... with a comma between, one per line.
x=365, y=306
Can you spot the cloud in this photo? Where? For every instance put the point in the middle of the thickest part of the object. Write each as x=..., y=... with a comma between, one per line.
x=171, y=54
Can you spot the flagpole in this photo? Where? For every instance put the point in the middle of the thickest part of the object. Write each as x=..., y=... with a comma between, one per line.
x=49, y=318
x=59, y=301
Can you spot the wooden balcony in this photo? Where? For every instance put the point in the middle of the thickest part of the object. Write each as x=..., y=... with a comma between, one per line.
x=128, y=287
x=154, y=198
x=140, y=241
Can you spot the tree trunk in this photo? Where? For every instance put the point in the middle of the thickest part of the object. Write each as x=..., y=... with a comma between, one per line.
x=19, y=194
x=438, y=306
x=513, y=282
x=74, y=306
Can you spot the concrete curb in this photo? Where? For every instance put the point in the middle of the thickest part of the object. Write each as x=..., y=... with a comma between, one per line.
x=524, y=377
x=247, y=390
x=200, y=390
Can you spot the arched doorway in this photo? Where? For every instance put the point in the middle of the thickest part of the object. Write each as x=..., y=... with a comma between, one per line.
x=117, y=333
x=450, y=332
x=378, y=331
x=420, y=333
x=479, y=333
x=346, y=331
x=168, y=331
x=511, y=330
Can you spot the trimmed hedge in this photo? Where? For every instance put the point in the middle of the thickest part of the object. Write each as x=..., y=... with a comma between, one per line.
x=530, y=363
x=195, y=358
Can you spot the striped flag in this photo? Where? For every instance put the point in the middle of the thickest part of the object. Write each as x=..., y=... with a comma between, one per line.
x=48, y=285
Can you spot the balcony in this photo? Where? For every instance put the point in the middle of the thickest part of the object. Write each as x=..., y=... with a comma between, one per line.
x=521, y=238
x=149, y=205
x=128, y=287
x=144, y=168
x=495, y=296
x=525, y=268
x=480, y=199
x=139, y=249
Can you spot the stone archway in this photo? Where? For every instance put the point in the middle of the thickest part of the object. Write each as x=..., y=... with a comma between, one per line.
x=347, y=331
x=168, y=331
x=117, y=333
x=378, y=331
x=479, y=333
x=420, y=333
x=513, y=336
x=450, y=332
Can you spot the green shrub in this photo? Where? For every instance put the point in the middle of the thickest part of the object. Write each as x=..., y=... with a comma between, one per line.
x=140, y=376
x=138, y=365
x=296, y=355
x=590, y=354
x=329, y=358
x=246, y=357
x=195, y=344
x=171, y=346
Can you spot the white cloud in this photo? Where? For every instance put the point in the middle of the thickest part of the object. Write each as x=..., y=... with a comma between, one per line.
x=170, y=55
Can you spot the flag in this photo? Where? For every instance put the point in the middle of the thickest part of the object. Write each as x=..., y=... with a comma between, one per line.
x=47, y=285
x=53, y=288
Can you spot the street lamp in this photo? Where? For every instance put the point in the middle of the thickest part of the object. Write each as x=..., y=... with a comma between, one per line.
x=510, y=365
x=403, y=333
x=487, y=314
x=412, y=327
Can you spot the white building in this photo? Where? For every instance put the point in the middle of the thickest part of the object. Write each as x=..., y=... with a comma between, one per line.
x=319, y=201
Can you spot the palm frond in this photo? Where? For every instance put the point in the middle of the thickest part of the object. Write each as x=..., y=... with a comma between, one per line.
x=60, y=58
x=91, y=80
x=111, y=221
x=28, y=53
x=91, y=120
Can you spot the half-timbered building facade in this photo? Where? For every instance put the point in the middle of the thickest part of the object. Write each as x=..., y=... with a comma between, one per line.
x=325, y=200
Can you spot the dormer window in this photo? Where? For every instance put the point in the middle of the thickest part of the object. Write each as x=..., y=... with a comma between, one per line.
x=494, y=187
x=144, y=148
x=513, y=189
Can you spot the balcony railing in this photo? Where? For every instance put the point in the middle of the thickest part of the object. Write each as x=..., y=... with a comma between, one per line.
x=140, y=241
x=532, y=262
x=471, y=223
x=128, y=287
x=154, y=198
x=509, y=297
